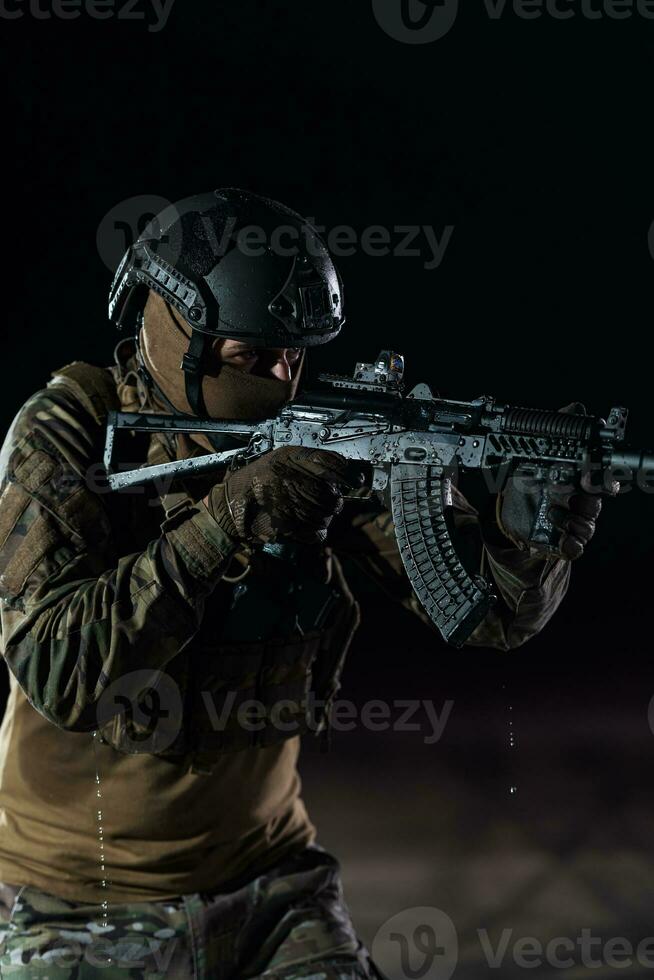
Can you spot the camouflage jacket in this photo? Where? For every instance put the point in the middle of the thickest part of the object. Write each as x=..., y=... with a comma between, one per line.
x=97, y=586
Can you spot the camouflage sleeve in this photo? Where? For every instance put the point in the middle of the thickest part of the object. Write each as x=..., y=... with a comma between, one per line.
x=529, y=589
x=74, y=615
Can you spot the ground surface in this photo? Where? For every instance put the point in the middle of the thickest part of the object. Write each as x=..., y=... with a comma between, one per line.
x=569, y=854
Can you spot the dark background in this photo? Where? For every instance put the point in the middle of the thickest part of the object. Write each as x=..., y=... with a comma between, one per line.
x=532, y=138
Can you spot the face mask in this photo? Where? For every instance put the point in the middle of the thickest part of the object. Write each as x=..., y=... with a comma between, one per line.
x=228, y=393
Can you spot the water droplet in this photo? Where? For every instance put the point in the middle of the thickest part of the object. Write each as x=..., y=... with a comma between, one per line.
x=512, y=740
x=104, y=881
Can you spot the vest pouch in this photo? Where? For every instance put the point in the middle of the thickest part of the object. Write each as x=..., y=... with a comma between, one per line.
x=240, y=695
x=285, y=687
x=328, y=666
x=256, y=696
x=225, y=697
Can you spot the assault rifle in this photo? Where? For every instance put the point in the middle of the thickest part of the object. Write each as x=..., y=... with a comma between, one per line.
x=414, y=442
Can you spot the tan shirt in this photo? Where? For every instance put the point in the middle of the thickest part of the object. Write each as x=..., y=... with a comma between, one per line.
x=167, y=831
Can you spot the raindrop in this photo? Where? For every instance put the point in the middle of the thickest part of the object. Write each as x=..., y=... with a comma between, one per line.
x=512, y=741
x=104, y=881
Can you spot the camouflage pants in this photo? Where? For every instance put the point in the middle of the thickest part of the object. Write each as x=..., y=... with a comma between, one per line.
x=286, y=924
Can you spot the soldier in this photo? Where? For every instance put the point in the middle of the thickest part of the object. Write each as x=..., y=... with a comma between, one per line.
x=146, y=828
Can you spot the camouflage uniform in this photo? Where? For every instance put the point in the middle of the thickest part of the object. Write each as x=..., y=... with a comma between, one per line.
x=97, y=587
x=289, y=923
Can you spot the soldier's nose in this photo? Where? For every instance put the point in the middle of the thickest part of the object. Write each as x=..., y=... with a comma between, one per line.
x=281, y=369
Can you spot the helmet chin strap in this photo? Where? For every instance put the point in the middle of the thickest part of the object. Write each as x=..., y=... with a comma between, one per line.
x=193, y=367
x=221, y=441
x=234, y=395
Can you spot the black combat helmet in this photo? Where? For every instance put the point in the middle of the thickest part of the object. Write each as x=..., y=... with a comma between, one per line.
x=233, y=264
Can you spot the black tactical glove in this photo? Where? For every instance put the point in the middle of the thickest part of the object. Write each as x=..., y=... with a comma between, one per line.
x=291, y=493
x=572, y=513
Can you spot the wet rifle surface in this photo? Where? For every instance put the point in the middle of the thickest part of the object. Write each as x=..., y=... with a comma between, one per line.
x=415, y=443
